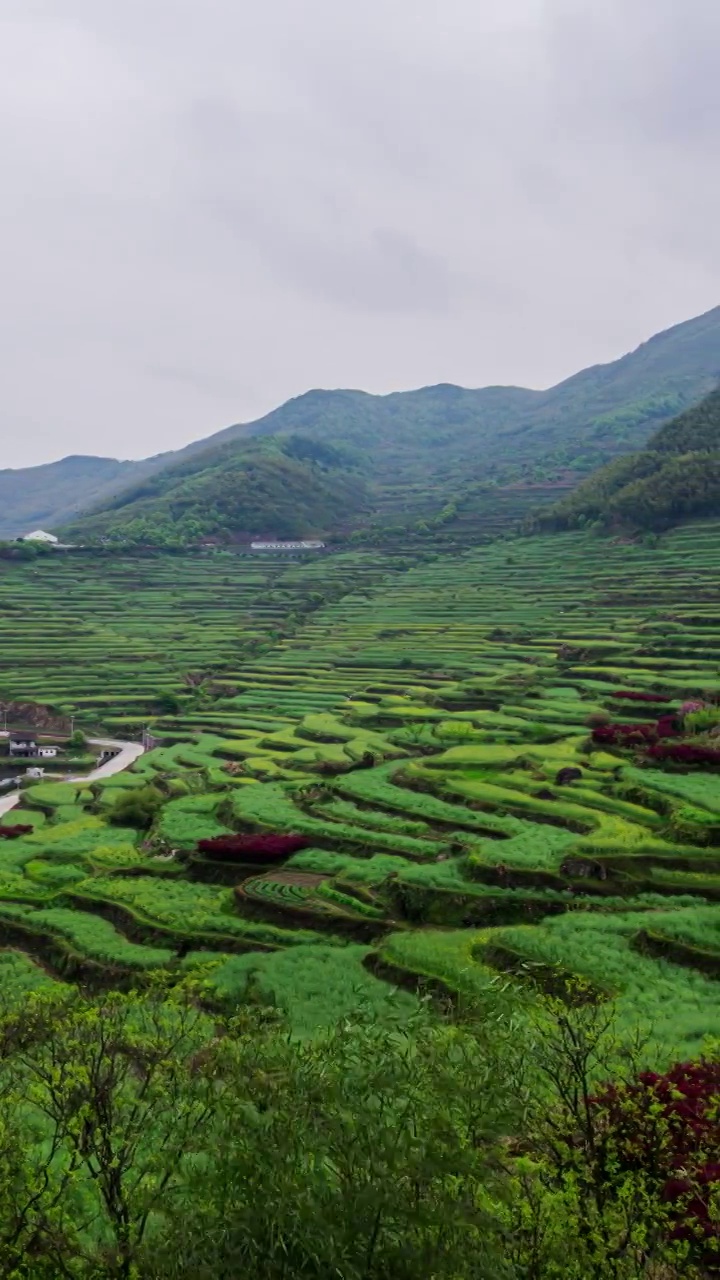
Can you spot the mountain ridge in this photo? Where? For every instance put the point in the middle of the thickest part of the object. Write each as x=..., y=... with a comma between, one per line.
x=406, y=443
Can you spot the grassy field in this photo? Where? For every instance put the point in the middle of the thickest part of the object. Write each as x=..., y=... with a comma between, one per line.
x=408, y=718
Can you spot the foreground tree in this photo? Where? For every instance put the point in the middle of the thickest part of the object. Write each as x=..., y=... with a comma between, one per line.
x=140, y=1139
x=581, y=1208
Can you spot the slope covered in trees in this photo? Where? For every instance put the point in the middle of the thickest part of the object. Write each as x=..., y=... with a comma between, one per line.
x=286, y=492
x=415, y=450
x=676, y=478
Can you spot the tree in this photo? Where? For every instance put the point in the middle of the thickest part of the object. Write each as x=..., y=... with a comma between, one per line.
x=168, y=703
x=136, y=808
x=108, y=1109
x=367, y=1153
x=142, y=1139
x=578, y=1211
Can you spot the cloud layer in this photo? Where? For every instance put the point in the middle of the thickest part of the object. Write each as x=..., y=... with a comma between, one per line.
x=210, y=207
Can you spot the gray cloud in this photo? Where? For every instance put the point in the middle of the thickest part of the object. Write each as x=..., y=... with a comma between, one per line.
x=209, y=207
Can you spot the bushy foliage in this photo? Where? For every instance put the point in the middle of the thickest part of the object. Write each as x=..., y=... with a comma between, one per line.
x=668, y=1126
x=252, y=847
x=635, y=695
x=701, y=717
x=176, y=1147
x=625, y=734
x=628, y=735
x=136, y=808
x=668, y=726
x=684, y=753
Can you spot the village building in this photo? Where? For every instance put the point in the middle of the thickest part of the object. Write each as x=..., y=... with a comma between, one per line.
x=310, y=545
x=26, y=746
x=22, y=744
x=38, y=535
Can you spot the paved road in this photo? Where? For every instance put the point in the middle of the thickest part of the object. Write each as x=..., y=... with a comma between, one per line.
x=128, y=754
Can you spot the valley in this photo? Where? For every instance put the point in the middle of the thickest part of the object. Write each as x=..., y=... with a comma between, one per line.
x=394, y=929
x=410, y=725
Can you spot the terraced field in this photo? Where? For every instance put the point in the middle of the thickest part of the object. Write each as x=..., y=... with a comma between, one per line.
x=109, y=637
x=429, y=732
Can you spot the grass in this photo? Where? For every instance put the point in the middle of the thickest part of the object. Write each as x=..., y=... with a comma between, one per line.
x=315, y=986
x=187, y=908
x=679, y=1008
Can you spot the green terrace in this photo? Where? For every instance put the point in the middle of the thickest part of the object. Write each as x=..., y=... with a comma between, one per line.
x=409, y=721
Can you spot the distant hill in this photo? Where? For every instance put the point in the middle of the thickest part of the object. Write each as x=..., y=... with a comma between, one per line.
x=52, y=494
x=676, y=478
x=405, y=455
x=284, y=489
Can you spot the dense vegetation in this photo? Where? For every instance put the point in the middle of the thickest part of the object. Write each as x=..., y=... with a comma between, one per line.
x=403, y=457
x=282, y=489
x=142, y=1137
x=676, y=478
x=404, y=886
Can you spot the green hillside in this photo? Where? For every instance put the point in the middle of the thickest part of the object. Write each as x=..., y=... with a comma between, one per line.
x=677, y=478
x=415, y=451
x=283, y=489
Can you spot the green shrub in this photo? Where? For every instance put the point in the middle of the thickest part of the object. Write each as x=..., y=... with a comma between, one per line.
x=136, y=808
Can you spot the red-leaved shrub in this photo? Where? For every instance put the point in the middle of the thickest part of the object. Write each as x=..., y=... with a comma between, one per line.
x=668, y=727
x=12, y=833
x=628, y=735
x=625, y=734
x=632, y=694
x=668, y=1127
x=684, y=753
x=252, y=847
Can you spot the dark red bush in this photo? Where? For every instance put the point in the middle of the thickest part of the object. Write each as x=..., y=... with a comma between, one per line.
x=656, y=698
x=12, y=833
x=252, y=847
x=625, y=734
x=668, y=1126
x=669, y=727
x=684, y=753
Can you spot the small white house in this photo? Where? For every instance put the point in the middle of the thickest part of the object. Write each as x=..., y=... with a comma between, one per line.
x=39, y=535
x=34, y=772
x=47, y=753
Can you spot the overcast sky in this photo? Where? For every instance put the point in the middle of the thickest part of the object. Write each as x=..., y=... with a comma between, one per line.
x=209, y=206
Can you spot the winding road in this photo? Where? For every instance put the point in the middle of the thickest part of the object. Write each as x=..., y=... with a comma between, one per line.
x=128, y=753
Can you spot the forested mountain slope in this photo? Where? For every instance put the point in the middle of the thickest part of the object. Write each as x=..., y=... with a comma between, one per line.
x=676, y=478
x=414, y=450
x=259, y=489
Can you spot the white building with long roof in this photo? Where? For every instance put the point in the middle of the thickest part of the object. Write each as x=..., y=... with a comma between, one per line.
x=39, y=535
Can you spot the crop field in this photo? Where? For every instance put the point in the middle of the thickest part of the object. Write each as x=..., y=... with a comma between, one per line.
x=107, y=637
x=437, y=738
